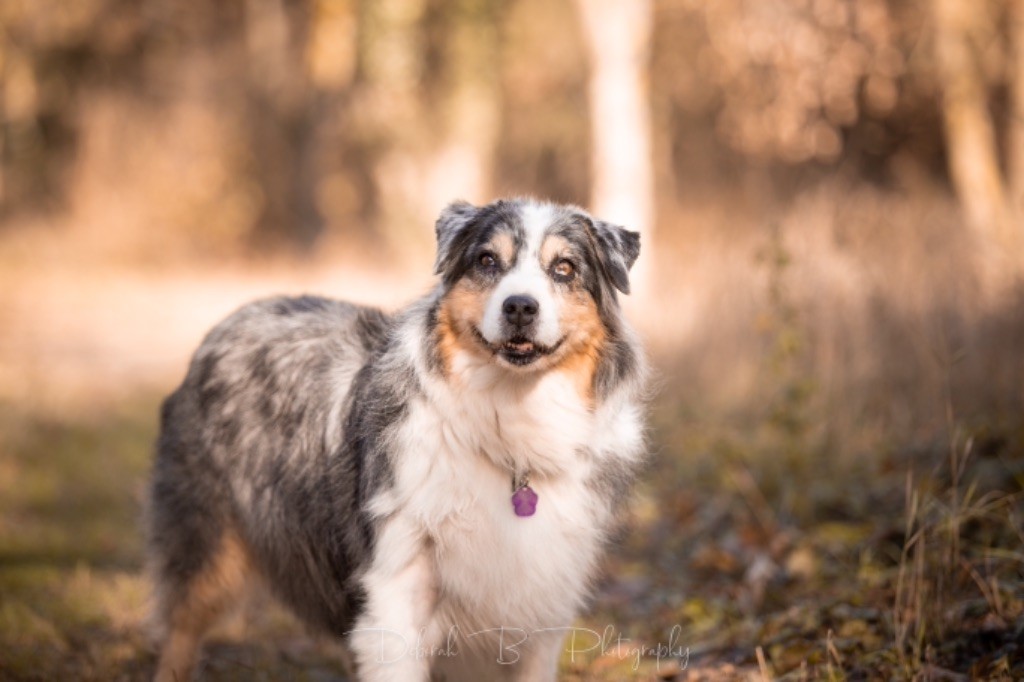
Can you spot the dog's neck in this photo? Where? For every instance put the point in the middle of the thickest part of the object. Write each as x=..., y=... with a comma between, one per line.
x=534, y=422
x=522, y=422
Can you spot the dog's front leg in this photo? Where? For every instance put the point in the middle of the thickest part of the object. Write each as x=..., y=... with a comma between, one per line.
x=391, y=637
x=539, y=661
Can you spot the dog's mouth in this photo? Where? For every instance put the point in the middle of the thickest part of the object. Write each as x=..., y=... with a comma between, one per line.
x=518, y=350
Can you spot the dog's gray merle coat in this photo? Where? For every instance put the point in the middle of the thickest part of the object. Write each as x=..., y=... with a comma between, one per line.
x=295, y=426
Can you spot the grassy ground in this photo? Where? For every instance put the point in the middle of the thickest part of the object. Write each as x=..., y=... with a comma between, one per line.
x=735, y=570
x=895, y=570
x=73, y=597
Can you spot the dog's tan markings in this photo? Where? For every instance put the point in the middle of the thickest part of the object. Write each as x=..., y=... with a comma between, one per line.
x=552, y=249
x=584, y=344
x=503, y=245
x=461, y=311
x=209, y=595
x=447, y=340
x=586, y=334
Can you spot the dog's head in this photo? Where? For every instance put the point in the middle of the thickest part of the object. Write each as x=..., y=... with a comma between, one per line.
x=529, y=285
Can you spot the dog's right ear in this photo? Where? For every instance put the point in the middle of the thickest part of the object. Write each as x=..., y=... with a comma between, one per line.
x=452, y=224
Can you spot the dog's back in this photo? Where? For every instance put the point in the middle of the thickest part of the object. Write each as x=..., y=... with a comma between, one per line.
x=261, y=409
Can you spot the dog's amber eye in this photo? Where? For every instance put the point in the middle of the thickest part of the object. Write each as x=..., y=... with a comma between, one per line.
x=564, y=270
x=487, y=259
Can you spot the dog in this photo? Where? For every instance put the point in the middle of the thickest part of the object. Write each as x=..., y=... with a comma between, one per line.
x=434, y=487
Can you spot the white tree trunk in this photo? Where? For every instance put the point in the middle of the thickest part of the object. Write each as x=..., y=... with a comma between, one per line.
x=970, y=134
x=618, y=36
x=1017, y=122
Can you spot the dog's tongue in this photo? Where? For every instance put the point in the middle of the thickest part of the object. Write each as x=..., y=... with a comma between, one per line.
x=521, y=346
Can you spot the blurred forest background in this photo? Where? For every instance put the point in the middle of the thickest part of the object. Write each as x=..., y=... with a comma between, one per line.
x=831, y=194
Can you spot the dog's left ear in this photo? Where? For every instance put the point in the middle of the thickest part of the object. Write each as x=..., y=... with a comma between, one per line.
x=618, y=249
x=450, y=224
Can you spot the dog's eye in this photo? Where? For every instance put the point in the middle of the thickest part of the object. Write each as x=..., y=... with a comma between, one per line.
x=487, y=259
x=564, y=270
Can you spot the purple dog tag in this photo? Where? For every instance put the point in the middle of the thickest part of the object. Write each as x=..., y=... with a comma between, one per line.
x=524, y=501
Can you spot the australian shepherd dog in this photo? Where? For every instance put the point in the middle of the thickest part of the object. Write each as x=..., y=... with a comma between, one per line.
x=433, y=486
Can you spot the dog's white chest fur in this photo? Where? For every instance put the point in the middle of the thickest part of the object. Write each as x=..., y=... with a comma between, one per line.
x=488, y=568
x=455, y=480
x=495, y=569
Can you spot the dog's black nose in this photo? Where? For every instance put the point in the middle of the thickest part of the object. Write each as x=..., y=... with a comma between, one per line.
x=520, y=310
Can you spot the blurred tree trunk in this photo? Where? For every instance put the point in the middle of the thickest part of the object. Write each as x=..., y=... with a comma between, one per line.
x=1016, y=161
x=3, y=122
x=461, y=162
x=388, y=117
x=428, y=110
x=970, y=134
x=618, y=36
x=283, y=123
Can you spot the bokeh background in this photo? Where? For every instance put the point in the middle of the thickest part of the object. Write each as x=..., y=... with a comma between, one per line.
x=831, y=196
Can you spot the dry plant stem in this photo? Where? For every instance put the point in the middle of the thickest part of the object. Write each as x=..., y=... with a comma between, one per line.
x=834, y=655
x=989, y=588
x=755, y=499
x=762, y=665
x=905, y=612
